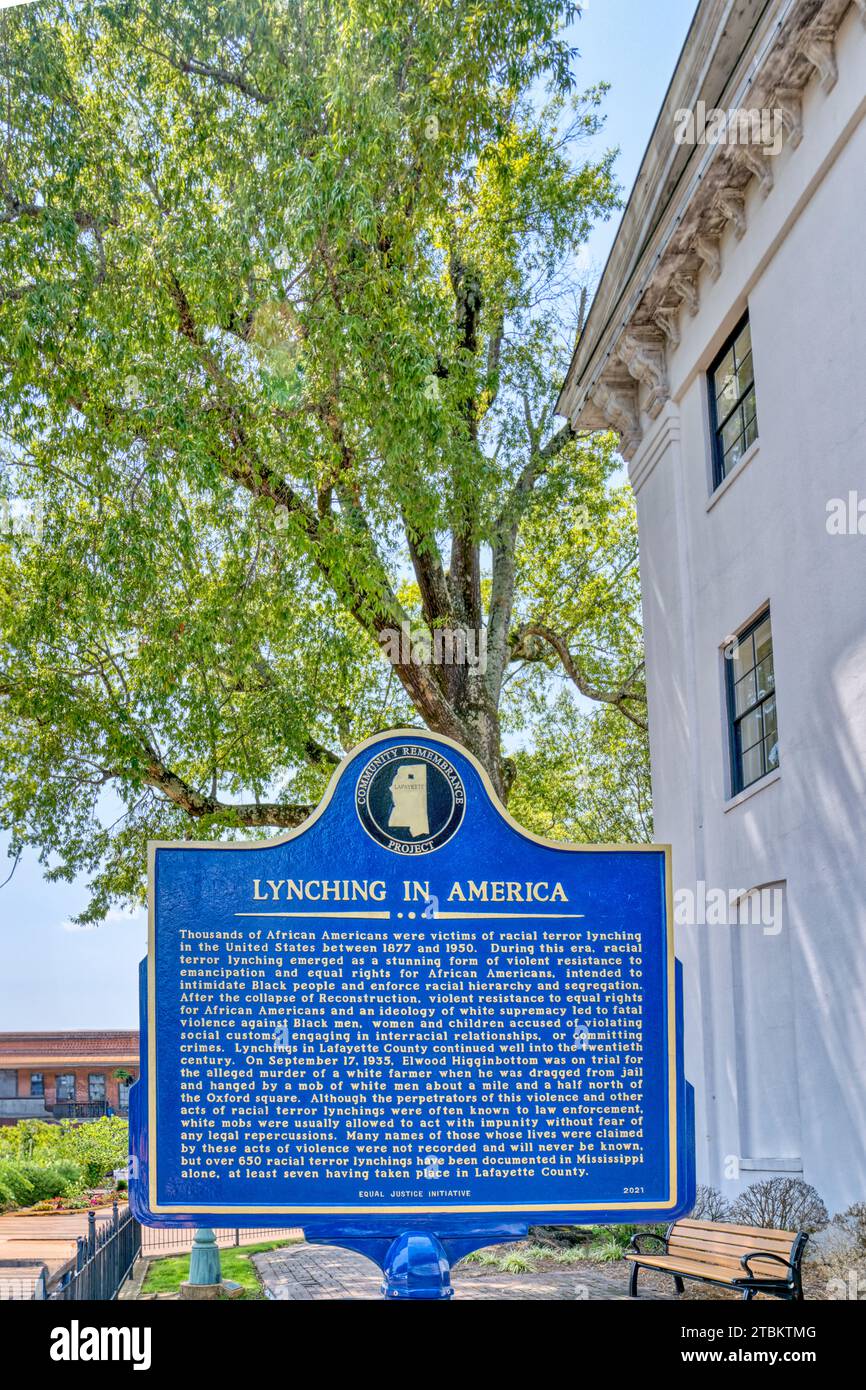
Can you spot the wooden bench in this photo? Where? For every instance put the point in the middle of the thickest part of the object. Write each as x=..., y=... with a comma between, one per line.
x=749, y=1259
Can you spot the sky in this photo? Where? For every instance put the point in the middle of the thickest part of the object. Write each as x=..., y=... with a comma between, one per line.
x=54, y=976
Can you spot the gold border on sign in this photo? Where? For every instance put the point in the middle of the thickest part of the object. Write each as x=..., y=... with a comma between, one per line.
x=362, y=1211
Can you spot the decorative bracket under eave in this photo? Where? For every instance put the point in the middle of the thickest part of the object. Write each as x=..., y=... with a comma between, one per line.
x=643, y=352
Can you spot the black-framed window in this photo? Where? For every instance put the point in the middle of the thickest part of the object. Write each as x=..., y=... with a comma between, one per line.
x=752, y=704
x=64, y=1086
x=37, y=1083
x=96, y=1085
x=733, y=411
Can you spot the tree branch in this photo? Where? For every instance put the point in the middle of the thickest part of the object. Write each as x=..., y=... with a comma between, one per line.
x=524, y=649
x=430, y=574
x=191, y=67
x=197, y=805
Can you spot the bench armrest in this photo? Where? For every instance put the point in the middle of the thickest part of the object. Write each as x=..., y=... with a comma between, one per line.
x=634, y=1247
x=764, y=1255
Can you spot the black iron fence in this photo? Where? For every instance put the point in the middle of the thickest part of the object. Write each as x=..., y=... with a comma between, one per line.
x=81, y=1109
x=165, y=1240
x=105, y=1256
x=103, y=1259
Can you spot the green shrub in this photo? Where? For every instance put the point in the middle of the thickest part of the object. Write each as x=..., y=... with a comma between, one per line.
x=611, y=1242
x=26, y=1139
x=89, y=1152
x=24, y=1184
x=605, y=1251
x=96, y=1147
x=479, y=1257
x=516, y=1264
x=15, y=1189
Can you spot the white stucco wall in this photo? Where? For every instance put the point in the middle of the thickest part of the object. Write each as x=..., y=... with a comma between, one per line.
x=796, y=997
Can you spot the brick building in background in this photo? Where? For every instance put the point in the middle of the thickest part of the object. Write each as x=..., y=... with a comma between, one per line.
x=58, y=1076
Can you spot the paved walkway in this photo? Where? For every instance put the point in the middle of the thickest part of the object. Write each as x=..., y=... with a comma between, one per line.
x=310, y=1272
x=51, y=1239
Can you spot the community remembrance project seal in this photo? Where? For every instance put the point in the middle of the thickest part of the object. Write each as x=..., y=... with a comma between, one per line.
x=410, y=799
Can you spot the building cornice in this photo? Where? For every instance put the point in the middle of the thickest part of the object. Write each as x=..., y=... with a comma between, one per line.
x=685, y=198
x=52, y=1062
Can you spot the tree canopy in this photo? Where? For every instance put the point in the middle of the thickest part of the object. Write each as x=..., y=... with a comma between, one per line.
x=286, y=291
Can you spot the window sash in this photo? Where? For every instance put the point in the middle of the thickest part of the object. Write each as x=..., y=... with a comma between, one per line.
x=733, y=404
x=96, y=1086
x=753, y=723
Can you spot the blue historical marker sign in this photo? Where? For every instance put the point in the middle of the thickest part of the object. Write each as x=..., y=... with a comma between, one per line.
x=410, y=1026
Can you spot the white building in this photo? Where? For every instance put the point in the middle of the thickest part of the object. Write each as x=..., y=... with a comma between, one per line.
x=754, y=578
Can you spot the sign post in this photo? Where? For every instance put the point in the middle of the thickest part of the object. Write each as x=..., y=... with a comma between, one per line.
x=410, y=1026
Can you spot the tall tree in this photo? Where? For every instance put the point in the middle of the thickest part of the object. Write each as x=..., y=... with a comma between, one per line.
x=285, y=289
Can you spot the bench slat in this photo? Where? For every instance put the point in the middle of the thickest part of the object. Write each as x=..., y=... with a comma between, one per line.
x=766, y=1268
x=722, y=1250
x=703, y=1269
x=722, y=1247
x=729, y=1269
x=769, y=1239
x=767, y=1233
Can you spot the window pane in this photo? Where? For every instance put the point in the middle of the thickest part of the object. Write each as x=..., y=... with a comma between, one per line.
x=751, y=729
x=771, y=746
x=749, y=407
x=37, y=1084
x=733, y=456
x=750, y=434
x=744, y=656
x=96, y=1086
x=725, y=384
x=744, y=375
x=763, y=641
x=65, y=1087
x=743, y=345
x=753, y=766
x=769, y=709
x=744, y=693
x=732, y=439
x=764, y=679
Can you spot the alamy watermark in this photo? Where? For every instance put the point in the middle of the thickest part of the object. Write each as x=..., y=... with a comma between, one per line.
x=444, y=646
x=851, y=1288
x=846, y=516
x=738, y=125
x=703, y=906
x=82, y=1343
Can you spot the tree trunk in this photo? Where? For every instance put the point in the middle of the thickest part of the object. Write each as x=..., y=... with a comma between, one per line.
x=482, y=734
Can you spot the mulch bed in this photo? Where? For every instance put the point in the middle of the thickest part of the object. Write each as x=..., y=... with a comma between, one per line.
x=817, y=1277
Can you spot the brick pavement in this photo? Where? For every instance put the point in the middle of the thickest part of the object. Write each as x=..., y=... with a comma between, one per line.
x=311, y=1272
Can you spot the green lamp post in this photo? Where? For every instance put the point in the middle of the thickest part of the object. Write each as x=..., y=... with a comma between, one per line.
x=204, y=1262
